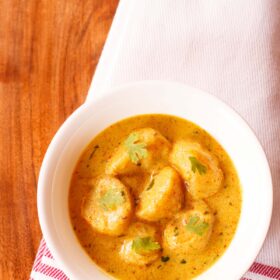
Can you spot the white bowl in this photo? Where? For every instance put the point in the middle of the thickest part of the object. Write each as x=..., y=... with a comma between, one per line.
x=225, y=125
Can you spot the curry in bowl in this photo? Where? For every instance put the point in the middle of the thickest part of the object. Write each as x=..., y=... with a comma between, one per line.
x=154, y=197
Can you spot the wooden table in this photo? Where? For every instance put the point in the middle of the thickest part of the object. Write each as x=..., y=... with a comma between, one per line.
x=48, y=52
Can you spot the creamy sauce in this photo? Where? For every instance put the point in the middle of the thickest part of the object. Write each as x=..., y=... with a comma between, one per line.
x=226, y=204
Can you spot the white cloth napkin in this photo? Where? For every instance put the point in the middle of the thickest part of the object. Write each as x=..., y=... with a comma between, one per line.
x=229, y=48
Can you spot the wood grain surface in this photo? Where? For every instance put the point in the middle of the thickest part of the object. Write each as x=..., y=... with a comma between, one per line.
x=48, y=53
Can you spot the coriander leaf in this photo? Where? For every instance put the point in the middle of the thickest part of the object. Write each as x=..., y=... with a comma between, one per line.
x=136, y=150
x=144, y=245
x=196, y=226
x=196, y=165
x=111, y=199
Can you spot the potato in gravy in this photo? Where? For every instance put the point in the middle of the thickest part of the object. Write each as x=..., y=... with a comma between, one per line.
x=154, y=197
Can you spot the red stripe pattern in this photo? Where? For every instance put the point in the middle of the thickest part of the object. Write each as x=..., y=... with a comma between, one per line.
x=265, y=270
x=44, y=269
x=41, y=269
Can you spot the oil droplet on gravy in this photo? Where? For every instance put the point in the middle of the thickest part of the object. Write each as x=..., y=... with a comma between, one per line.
x=103, y=250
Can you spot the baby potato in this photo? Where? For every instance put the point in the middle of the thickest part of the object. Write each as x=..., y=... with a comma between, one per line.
x=141, y=247
x=190, y=230
x=162, y=196
x=108, y=206
x=198, y=167
x=121, y=164
x=145, y=148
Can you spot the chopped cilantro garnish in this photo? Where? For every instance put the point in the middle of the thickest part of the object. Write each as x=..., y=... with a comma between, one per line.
x=196, y=165
x=196, y=226
x=144, y=245
x=93, y=151
x=165, y=258
x=111, y=199
x=151, y=184
x=136, y=150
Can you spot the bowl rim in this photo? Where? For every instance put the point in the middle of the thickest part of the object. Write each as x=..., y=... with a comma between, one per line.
x=106, y=95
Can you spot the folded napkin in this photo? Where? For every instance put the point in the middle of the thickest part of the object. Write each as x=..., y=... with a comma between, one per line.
x=228, y=48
